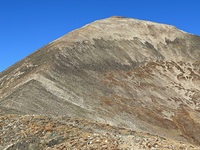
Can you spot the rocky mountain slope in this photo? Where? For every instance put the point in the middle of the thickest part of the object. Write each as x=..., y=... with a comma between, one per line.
x=128, y=73
x=34, y=132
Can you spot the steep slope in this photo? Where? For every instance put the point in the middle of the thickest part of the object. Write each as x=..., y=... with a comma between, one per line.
x=125, y=72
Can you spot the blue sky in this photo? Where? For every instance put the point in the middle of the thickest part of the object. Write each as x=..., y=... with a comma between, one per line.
x=26, y=25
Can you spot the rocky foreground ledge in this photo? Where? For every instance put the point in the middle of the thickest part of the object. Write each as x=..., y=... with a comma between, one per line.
x=34, y=132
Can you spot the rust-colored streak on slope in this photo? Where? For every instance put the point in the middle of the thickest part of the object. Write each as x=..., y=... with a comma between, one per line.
x=189, y=125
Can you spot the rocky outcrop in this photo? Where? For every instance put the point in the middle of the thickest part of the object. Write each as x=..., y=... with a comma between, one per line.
x=128, y=73
x=41, y=132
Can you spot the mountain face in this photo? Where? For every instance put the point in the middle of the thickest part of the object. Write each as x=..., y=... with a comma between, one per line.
x=134, y=74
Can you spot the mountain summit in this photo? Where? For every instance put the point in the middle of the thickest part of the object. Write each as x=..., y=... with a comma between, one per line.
x=128, y=73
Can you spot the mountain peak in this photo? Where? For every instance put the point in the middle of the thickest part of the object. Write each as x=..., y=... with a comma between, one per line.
x=125, y=72
x=127, y=29
x=117, y=17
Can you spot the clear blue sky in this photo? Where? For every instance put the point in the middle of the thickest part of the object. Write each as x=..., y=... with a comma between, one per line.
x=26, y=25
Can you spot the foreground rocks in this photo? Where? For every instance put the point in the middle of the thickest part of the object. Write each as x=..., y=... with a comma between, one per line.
x=34, y=132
